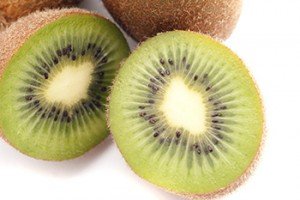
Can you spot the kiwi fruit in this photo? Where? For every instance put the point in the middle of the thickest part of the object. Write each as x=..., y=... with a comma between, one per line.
x=145, y=18
x=56, y=69
x=186, y=115
x=11, y=10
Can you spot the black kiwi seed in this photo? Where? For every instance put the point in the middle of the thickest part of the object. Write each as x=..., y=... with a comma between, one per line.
x=64, y=51
x=53, y=109
x=83, y=52
x=104, y=59
x=99, y=50
x=143, y=114
x=29, y=90
x=101, y=74
x=152, y=80
x=188, y=66
x=50, y=115
x=69, y=119
x=46, y=76
x=43, y=115
x=36, y=102
x=89, y=46
x=153, y=87
x=208, y=88
x=59, y=53
x=55, y=61
x=29, y=98
x=161, y=72
x=215, y=141
x=217, y=115
x=216, y=103
x=196, y=78
x=153, y=121
x=223, y=107
x=65, y=113
x=160, y=79
x=178, y=134
x=103, y=89
x=151, y=101
x=216, y=127
x=69, y=48
x=167, y=72
x=156, y=134
x=46, y=67
x=196, y=146
x=96, y=103
x=74, y=57
x=210, y=149
x=162, y=61
x=91, y=105
x=76, y=111
x=150, y=117
x=142, y=107
x=162, y=140
x=170, y=61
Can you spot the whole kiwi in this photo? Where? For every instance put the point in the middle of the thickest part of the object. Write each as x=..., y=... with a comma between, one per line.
x=11, y=10
x=145, y=18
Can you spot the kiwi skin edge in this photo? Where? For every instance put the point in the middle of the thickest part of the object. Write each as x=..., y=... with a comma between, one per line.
x=11, y=42
x=143, y=19
x=12, y=10
x=234, y=185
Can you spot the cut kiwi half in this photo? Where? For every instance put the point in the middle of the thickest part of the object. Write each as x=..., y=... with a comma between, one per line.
x=186, y=115
x=145, y=18
x=56, y=69
x=10, y=10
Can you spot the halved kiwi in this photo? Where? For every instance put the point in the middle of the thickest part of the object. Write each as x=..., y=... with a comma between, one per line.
x=56, y=68
x=145, y=18
x=186, y=115
x=10, y=10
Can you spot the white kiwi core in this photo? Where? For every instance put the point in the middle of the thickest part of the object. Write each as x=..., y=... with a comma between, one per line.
x=184, y=107
x=70, y=85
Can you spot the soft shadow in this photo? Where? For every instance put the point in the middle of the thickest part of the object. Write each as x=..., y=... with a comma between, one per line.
x=67, y=168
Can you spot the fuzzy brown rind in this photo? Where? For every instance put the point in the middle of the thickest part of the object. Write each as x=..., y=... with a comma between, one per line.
x=223, y=191
x=11, y=10
x=145, y=18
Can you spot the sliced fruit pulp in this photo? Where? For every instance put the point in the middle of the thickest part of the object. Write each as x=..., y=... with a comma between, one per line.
x=177, y=154
x=54, y=89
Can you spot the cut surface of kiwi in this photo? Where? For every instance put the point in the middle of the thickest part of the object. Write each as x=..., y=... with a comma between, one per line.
x=186, y=115
x=53, y=87
x=145, y=18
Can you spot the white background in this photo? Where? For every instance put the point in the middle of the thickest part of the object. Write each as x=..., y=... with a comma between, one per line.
x=267, y=38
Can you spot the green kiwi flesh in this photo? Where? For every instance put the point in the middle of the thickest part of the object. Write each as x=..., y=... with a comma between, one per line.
x=186, y=115
x=53, y=90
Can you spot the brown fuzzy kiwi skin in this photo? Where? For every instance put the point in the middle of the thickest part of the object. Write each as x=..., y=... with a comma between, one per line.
x=145, y=18
x=12, y=38
x=223, y=191
x=11, y=10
